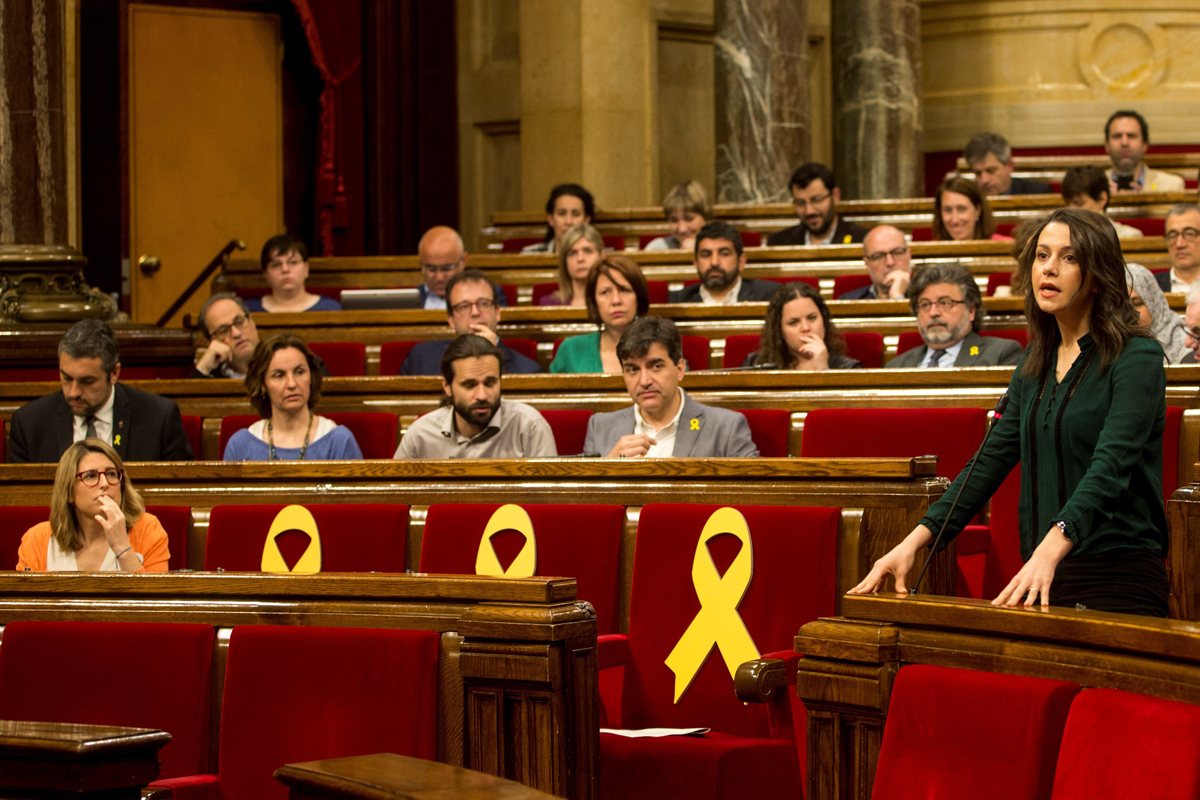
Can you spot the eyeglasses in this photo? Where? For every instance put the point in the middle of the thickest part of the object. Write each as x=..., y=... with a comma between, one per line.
x=875, y=258
x=802, y=204
x=91, y=477
x=484, y=305
x=444, y=269
x=1193, y=332
x=1189, y=235
x=944, y=303
x=279, y=264
x=240, y=322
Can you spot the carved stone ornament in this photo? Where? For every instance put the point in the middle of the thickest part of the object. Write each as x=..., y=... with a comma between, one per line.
x=40, y=283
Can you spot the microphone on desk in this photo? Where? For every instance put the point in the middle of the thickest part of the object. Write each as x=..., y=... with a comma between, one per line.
x=1001, y=404
x=768, y=365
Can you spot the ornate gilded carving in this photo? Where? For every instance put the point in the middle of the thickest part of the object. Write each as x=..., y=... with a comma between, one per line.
x=46, y=284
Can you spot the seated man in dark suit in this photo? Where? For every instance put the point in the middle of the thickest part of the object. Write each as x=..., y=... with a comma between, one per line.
x=889, y=263
x=442, y=255
x=816, y=195
x=232, y=337
x=990, y=157
x=720, y=259
x=140, y=426
x=949, y=311
x=663, y=421
x=473, y=309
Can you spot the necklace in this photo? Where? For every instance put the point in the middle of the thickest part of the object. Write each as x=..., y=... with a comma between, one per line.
x=271, y=439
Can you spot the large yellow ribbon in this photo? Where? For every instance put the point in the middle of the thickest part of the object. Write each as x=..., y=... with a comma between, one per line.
x=718, y=621
x=293, y=518
x=508, y=517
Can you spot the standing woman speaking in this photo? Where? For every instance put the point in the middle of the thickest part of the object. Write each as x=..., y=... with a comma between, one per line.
x=1086, y=413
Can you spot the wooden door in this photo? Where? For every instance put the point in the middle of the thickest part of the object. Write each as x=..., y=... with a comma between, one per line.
x=205, y=144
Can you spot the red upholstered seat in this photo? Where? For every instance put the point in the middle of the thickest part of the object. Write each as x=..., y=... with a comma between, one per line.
x=1156, y=226
x=392, y=355
x=570, y=428
x=848, y=283
x=1170, y=479
x=658, y=291
x=231, y=424
x=996, y=280
x=165, y=669
x=344, y=359
x=769, y=428
x=738, y=347
x=526, y=347
x=907, y=341
x=176, y=520
x=192, y=425
x=354, y=537
x=297, y=694
x=1018, y=335
x=960, y=733
x=695, y=351
x=540, y=290
x=1120, y=744
x=573, y=541
x=518, y=244
x=753, y=750
x=375, y=431
x=866, y=347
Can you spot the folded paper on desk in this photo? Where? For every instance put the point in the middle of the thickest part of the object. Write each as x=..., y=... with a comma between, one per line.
x=655, y=733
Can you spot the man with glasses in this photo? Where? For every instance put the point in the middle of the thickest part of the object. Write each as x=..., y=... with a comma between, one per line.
x=473, y=309
x=889, y=263
x=226, y=323
x=1191, y=321
x=815, y=196
x=1182, y=229
x=140, y=426
x=442, y=256
x=949, y=311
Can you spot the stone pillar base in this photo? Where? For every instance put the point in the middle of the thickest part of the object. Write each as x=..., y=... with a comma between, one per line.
x=44, y=283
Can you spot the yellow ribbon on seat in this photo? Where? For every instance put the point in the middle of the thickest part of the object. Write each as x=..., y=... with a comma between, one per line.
x=718, y=621
x=508, y=517
x=293, y=518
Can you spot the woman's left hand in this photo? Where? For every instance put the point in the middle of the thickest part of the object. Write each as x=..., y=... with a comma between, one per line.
x=112, y=521
x=813, y=353
x=1034, y=579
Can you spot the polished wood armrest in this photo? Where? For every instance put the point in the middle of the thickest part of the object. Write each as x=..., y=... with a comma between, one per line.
x=757, y=681
x=386, y=776
x=154, y=793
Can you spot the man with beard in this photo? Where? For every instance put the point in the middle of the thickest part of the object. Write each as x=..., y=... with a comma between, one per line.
x=474, y=422
x=140, y=426
x=815, y=195
x=720, y=259
x=1126, y=138
x=949, y=311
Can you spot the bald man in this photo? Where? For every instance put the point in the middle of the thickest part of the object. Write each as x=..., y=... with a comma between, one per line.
x=889, y=263
x=442, y=256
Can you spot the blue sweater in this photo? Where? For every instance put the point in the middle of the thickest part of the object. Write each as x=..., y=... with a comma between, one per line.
x=336, y=445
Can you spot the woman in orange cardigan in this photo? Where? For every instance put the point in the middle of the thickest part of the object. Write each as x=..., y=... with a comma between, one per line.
x=98, y=522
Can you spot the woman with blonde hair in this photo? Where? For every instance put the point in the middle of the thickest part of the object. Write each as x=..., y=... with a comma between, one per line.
x=582, y=248
x=98, y=521
x=687, y=210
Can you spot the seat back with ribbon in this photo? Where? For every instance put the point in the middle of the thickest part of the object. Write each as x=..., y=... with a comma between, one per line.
x=343, y=538
x=143, y=675
x=296, y=693
x=573, y=541
x=714, y=587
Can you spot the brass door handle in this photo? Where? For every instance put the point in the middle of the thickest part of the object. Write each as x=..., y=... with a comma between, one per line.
x=149, y=264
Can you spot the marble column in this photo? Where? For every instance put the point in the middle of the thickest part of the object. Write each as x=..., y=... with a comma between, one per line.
x=877, y=123
x=41, y=276
x=762, y=103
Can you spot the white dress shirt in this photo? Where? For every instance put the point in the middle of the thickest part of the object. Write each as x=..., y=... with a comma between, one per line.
x=665, y=436
x=432, y=301
x=104, y=421
x=730, y=298
x=1177, y=285
x=948, y=357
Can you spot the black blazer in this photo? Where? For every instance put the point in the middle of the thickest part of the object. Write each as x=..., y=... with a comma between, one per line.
x=752, y=290
x=845, y=233
x=1164, y=281
x=1027, y=186
x=426, y=359
x=149, y=427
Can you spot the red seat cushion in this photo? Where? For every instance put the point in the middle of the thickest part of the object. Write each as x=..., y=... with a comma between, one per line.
x=344, y=359
x=1120, y=744
x=518, y=244
x=695, y=351
x=526, y=347
x=392, y=355
x=570, y=428
x=658, y=292
x=908, y=340
x=231, y=424
x=176, y=520
x=1156, y=226
x=297, y=694
x=769, y=428
x=540, y=290
x=961, y=733
x=510, y=293
x=738, y=347
x=166, y=670
x=848, y=283
x=996, y=280
x=573, y=541
x=375, y=431
x=866, y=347
x=354, y=537
x=1018, y=335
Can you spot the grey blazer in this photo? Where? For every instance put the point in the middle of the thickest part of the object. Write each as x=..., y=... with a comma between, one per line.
x=992, y=352
x=718, y=433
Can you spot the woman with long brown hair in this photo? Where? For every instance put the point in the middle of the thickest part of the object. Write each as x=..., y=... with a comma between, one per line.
x=1085, y=419
x=961, y=213
x=798, y=333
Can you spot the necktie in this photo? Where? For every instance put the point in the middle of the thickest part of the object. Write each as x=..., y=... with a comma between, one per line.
x=934, y=357
x=90, y=433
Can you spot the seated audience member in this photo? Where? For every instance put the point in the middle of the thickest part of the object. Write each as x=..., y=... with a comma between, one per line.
x=990, y=157
x=1087, y=187
x=1021, y=236
x=663, y=420
x=474, y=420
x=98, y=521
x=1191, y=319
x=569, y=205
x=687, y=210
x=889, y=263
x=442, y=256
x=949, y=311
x=1182, y=230
x=1126, y=138
x=961, y=213
x=799, y=333
x=473, y=309
x=93, y=405
x=1154, y=313
x=616, y=295
x=285, y=265
x=720, y=258
x=232, y=336
x=284, y=386
x=582, y=248
x=815, y=196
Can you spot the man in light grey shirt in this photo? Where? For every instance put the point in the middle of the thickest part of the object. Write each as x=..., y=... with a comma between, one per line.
x=474, y=422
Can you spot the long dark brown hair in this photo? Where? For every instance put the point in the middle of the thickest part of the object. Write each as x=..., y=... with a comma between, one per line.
x=1098, y=253
x=772, y=348
x=985, y=226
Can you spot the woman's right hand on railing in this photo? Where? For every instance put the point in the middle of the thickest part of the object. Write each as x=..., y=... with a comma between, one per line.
x=898, y=562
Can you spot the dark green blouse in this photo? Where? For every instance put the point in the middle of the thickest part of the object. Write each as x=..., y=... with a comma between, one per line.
x=1107, y=487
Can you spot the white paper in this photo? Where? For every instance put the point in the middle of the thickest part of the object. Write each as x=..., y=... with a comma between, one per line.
x=654, y=733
